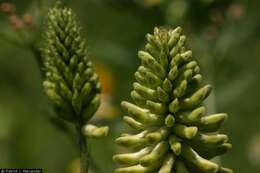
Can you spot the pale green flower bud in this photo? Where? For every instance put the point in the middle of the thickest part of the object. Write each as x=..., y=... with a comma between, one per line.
x=94, y=131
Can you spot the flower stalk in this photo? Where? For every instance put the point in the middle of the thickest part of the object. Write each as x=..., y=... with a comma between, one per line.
x=83, y=150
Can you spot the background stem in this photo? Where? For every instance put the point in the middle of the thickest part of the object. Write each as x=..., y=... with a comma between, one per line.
x=83, y=151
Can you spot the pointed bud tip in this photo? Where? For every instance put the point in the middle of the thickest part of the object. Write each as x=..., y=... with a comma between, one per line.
x=191, y=132
x=209, y=87
x=124, y=104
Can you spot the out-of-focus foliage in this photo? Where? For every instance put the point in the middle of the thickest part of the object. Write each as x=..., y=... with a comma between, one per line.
x=224, y=35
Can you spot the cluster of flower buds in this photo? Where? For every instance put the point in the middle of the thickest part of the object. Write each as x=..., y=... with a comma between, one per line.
x=70, y=80
x=174, y=134
x=17, y=22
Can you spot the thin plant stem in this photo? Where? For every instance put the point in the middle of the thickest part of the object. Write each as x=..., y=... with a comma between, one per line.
x=83, y=150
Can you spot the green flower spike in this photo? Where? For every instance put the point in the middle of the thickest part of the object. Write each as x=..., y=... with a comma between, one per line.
x=174, y=134
x=71, y=82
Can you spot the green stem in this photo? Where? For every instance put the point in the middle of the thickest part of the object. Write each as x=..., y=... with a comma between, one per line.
x=83, y=150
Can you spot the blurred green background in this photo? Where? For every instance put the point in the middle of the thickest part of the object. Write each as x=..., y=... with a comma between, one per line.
x=225, y=39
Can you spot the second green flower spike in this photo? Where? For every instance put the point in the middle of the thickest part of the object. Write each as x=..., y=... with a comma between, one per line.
x=174, y=134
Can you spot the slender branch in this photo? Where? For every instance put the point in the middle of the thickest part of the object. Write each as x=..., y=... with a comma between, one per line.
x=83, y=150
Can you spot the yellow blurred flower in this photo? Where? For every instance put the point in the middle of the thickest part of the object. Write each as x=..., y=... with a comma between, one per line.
x=107, y=109
x=105, y=77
